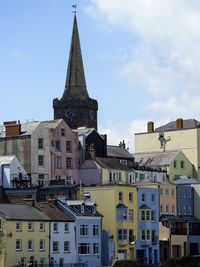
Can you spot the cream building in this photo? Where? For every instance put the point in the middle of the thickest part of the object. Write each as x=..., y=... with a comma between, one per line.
x=181, y=135
x=24, y=235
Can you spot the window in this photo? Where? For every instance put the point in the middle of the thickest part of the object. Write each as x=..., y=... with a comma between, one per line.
x=184, y=194
x=167, y=192
x=58, y=162
x=41, y=179
x=55, y=227
x=18, y=244
x=69, y=146
x=189, y=194
x=68, y=163
x=30, y=227
x=184, y=210
x=131, y=235
x=40, y=143
x=182, y=164
x=143, y=236
x=153, y=215
x=142, y=215
x=153, y=236
x=147, y=215
x=122, y=234
x=23, y=262
x=62, y=131
x=66, y=246
x=95, y=249
x=148, y=234
x=69, y=180
x=40, y=160
x=42, y=262
x=30, y=244
x=42, y=227
x=178, y=193
x=173, y=209
x=143, y=197
x=153, y=198
x=95, y=230
x=190, y=210
x=120, y=196
x=83, y=249
x=175, y=164
x=167, y=208
x=55, y=246
x=66, y=227
x=57, y=145
x=83, y=230
x=130, y=215
x=42, y=245
x=130, y=197
x=161, y=191
x=18, y=226
x=120, y=177
x=161, y=208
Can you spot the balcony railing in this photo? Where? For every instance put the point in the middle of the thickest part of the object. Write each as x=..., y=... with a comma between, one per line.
x=179, y=231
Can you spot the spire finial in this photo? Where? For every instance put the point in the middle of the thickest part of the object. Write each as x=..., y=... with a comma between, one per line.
x=74, y=6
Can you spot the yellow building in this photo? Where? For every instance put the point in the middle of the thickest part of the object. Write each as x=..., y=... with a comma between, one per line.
x=24, y=235
x=175, y=163
x=181, y=135
x=118, y=205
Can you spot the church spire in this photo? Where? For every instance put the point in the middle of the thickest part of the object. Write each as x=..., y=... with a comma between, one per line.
x=75, y=85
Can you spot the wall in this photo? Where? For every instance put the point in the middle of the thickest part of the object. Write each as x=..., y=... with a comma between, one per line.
x=196, y=200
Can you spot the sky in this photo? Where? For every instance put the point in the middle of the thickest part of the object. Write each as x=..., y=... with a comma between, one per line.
x=141, y=60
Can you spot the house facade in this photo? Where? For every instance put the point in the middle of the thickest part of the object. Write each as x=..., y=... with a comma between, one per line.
x=24, y=235
x=88, y=230
x=119, y=210
x=147, y=245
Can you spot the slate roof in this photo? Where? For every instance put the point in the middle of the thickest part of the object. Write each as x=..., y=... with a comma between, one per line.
x=21, y=212
x=51, y=124
x=118, y=152
x=107, y=163
x=187, y=124
x=156, y=159
x=6, y=159
x=174, y=218
x=26, y=128
x=53, y=212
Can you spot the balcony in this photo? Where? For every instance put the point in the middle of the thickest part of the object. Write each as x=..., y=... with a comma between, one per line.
x=179, y=231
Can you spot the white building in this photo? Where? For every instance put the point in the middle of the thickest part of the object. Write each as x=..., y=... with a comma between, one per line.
x=11, y=172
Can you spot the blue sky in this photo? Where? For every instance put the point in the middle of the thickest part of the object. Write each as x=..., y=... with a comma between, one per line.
x=141, y=60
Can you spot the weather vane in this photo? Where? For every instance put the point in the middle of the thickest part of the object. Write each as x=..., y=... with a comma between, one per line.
x=74, y=6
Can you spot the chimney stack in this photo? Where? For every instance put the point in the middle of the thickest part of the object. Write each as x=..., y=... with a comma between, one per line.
x=12, y=128
x=150, y=126
x=122, y=144
x=179, y=123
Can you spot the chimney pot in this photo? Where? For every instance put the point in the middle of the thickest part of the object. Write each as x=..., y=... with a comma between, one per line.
x=179, y=123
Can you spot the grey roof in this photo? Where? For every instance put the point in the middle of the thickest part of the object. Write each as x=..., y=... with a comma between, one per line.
x=156, y=159
x=118, y=152
x=26, y=128
x=107, y=163
x=51, y=124
x=75, y=86
x=187, y=124
x=174, y=218
x=6, y=159
x=21, y=212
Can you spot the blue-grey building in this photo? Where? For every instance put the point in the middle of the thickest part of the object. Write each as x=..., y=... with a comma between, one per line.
x=88, y=229
x=147, y=245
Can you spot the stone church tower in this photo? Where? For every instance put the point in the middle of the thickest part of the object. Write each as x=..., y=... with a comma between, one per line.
x=75, y=106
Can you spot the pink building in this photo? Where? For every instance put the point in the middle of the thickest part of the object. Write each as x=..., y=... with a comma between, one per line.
x=63, y=153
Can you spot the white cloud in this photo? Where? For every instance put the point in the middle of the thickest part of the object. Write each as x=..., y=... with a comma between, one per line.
x=165, y=60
